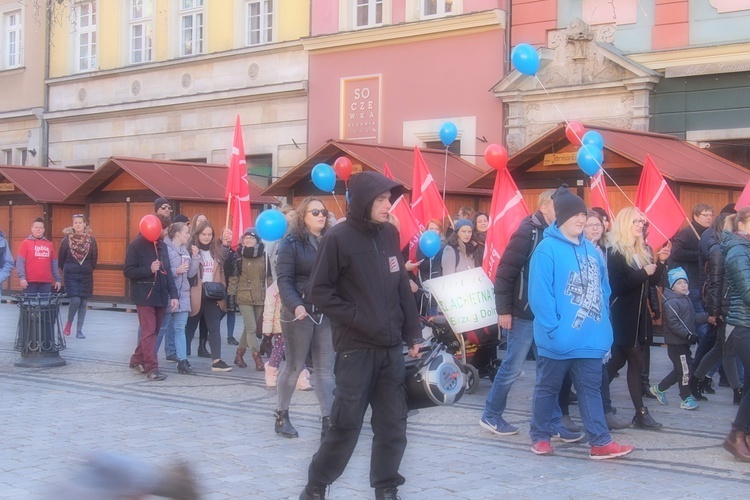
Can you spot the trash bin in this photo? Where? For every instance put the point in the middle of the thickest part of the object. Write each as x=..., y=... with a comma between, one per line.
x=39, y=336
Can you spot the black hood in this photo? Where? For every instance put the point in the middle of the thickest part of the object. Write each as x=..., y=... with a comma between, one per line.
x=363, y=189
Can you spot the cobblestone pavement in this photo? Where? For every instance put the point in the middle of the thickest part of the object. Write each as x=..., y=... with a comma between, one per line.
x=222, y=425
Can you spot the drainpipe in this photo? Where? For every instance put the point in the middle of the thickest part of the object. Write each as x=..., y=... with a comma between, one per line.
x=44, y=146
x=506, y=61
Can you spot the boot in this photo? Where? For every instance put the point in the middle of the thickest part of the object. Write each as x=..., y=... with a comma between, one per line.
x=239, y=360
x=283, y=426
x=387, y=493
x=707, y=385
x=303, y=381
x=324, y=428
x=313, y=493
x=232, y=341
x=738, y=393
x=646, y=392
x=258, y=361
x=736, y=444
x=272, y=374
x=202, y=350
x=67, y=328
x=183, y=367
x=695, y=389
x=644, y=420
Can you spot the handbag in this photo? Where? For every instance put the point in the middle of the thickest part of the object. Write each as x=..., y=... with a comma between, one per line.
x=213, y=290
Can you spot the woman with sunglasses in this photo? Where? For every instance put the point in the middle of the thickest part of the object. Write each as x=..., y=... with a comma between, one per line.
x=306, y=331
x=77, y=259
x=631, y=268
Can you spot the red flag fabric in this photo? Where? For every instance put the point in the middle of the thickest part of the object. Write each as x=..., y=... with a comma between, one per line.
x=387, y=172
x=238, y=189
x=598, y=193
x=426, y=202
x=507, y=210
x=658, y=203
x=408, y=229
x=744, y=197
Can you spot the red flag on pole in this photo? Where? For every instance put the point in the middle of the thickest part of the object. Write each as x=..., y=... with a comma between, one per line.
x=658, y=203
x=744, y=197
x=426, y=202
x=598, y=193
x=507, y=210
x=408, y=228
x=238, y=189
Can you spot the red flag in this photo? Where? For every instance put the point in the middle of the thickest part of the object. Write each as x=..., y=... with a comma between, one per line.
x=744, y=197
x=659, y=204
x=387, y=172
x=408, y=228
x=598, y=193
x=238, y=189
x=426, y=202
x=506, y=213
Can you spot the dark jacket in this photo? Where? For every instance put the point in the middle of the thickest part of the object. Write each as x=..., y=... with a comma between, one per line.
x=146, y=287
x=294, y=264
x=359, y=280
x=715, y=287
x=78, y=277
x=736, y=250
x=685, y=253
x=679, y=318
x=6, y=259
x=512, y=277
x=630, y=288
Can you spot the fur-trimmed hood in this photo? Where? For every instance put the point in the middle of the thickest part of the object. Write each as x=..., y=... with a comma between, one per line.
x=69, y=231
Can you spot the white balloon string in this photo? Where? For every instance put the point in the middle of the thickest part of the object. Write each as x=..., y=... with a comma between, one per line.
x=337, y=203
x=445, y=173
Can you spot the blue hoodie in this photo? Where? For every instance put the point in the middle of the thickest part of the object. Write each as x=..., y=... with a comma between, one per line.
x=571, y=315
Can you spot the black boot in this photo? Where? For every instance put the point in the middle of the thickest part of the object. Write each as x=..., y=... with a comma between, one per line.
x=283, y=426
x=738, y=393
x=646, y=392
x=202, y=350
x=644, y=420
x=313, y=493
x=232, y=341
x=707, y=385
x=324, y=428
x=695, y=389
x=387, y=494
x=183, y=367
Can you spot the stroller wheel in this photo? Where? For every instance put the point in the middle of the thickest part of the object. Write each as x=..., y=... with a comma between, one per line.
x=472, y=378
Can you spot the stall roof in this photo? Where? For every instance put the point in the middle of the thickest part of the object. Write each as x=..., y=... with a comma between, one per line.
x=174, y=180
x=400, y=161
x=45, y=185
x=678, y=160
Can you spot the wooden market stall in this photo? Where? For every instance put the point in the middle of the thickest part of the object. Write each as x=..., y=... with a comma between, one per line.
x=29, y=192
x=120, y=192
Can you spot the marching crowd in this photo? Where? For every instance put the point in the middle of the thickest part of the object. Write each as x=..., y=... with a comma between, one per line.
x=336, y=300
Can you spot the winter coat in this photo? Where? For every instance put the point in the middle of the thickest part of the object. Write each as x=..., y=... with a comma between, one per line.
x=455, y=260
x=196, y=291
x=569, y=297
x=36, y=261
x=6, y=259
x=78, y=277
x=685, y=252
x=148, y=288
x=736, y=250
x=294, y=265
x=181, y=281
x=272, y=311
x=248, y=279
x=359, y=280
x=715, y=288
x=630, y=288
x=679, y=318
x=512, y=276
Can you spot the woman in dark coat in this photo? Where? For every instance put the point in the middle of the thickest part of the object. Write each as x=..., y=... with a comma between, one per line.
x=631, y=269
x=77, y=259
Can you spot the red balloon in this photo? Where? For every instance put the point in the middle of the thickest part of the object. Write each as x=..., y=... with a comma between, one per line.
x=150, y=227
x=496, y=156
x=574, y=132
x=343, y=168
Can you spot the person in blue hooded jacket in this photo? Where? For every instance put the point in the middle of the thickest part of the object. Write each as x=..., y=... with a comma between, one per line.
x=569, y=296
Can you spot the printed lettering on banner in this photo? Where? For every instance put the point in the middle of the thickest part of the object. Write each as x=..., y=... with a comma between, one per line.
x=467, y=299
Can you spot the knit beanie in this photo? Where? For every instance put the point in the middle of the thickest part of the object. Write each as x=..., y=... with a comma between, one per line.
x=676, y=274
x=159, y=202
x=729, y=209
x=566, y=205
x=181, y=218
x=461, y=223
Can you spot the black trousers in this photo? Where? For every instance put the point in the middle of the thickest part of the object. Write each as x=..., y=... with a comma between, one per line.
x=212, y=314
x=681, y=360
x=373, y=377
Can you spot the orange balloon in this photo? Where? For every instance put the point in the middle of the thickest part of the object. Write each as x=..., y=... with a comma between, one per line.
x=496, y=156
x=574, y=132
x=150, y=227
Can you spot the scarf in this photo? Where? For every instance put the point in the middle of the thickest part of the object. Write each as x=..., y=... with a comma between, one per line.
x=252, y=252
x=80, y=245
x=202, y=246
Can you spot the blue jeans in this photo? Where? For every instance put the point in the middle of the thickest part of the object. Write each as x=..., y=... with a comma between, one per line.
x=587, y=379
x=167, y=333
x=520, y=338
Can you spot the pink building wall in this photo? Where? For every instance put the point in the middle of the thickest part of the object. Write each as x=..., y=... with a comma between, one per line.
x=530, y=21
x=439, y=78
x=671, y=24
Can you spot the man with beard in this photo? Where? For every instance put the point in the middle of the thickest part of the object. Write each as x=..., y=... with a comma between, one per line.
x=163, y=210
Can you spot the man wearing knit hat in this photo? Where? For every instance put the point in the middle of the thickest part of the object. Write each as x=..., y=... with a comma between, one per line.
x=569, y=296
x=163, y=210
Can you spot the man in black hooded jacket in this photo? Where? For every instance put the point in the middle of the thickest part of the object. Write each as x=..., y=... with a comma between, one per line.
x=360, y=283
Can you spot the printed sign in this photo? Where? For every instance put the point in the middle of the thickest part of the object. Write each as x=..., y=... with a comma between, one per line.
x=467, y=299
x=360, y=108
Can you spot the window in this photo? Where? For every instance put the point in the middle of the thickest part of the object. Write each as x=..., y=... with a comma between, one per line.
x=436, y=7
x=7, y=156
x=454, y=148
x=86, y=35
x=259, y=22
x=12, y=40
x=141, y=31
x=23, y=156
x=368, y=13
x=191, y=27
x=260, y=169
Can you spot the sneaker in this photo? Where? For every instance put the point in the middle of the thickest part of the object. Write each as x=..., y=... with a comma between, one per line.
x=172, y=358
x=80, y=335
x=497, y=425
x=568, y=423
x=137, y=367
x=567, y=436
x=67, y=328
x=661, y=396
x=220, y=366
x=156, y=375
x=611, y=450
x=615, y=423
x=542, y=448
x=689, y=403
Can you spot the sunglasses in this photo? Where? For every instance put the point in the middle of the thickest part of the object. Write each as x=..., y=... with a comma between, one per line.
x=166, y=207
x=317, y=212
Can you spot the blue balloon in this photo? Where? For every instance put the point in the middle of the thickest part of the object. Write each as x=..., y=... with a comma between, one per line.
x=429, y=243
x=324, y=177
x=525, y=59
x=448, y=133
x=590, y=159
x=593, y=138
x=271, y=225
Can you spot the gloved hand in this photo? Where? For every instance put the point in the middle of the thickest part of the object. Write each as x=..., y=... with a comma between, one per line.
x=692, y=338
x=231, y=303
x=657, y=315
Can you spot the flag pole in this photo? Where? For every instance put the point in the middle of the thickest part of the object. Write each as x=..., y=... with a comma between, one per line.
x=690, y=225
x=229, y=207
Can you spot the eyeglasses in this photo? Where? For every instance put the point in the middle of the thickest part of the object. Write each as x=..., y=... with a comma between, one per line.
x=594, y=225
x=166, y=207
x=315, y=212
x=639, y=222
